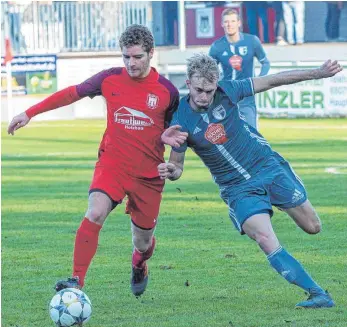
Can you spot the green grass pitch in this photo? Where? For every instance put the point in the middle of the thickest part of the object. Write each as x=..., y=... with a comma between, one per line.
x=46, y=171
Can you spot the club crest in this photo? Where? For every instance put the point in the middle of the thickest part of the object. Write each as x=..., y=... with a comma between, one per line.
x=243, y=51
x=152, y=101
x=219, y=112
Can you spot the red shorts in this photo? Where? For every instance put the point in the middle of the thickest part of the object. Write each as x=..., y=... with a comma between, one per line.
x=144, y=195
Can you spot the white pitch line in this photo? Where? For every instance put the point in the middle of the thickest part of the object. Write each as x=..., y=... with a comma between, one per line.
x=50, y=154
x=335, y=170
x=308, y=127
x=308, y=141
x=65, y=125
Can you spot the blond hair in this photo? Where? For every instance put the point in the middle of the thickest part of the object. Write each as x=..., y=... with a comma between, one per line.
x=202, y=65
x=230, y=11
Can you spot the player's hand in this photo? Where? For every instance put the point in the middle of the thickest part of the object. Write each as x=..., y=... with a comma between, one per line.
x=166, y=170
x=17, y=122
x=329, y=69
x=173, y=136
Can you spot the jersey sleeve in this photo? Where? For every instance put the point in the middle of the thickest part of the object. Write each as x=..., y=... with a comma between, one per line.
x=177, y=120
x=92, y=86
x=236, y=90
x=261, y=56
x=174, y=101
x=214, y=52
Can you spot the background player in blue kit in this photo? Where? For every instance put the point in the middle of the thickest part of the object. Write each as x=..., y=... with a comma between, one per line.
x=236, y=52
x=251, y=176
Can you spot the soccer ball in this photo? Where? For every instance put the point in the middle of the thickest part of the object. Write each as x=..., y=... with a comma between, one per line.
x=70, y=307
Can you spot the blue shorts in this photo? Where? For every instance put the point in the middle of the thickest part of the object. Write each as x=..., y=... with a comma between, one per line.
x=276, y=184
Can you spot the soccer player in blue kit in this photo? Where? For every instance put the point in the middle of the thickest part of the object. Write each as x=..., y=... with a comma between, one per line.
x=251, y=176
x=236, y=52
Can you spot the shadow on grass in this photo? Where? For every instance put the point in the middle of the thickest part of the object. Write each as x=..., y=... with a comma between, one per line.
x=28, y=158
x=57, y=140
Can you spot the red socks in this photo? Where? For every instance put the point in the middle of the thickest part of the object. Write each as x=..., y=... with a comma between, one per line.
x=86, y=243
x=139, y=258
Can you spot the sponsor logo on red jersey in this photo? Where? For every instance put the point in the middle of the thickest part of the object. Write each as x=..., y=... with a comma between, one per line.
x=132, y=119
x=215, y=134
x=152, y=101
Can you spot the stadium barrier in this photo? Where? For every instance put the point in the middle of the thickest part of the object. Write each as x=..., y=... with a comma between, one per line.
x=40, y=27
x=318, y=98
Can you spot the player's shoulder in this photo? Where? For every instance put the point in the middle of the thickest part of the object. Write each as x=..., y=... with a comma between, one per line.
x=113, y=71
x=229, y=87
x=169, y=87
x=167, y=83
x=247, y=36
x=251, y=38
x=103, y=74
x=182, y=106
x=223, y=86
x=219, y=42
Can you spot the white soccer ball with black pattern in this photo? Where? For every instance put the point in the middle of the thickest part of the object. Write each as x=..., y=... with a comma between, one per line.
x=70, y=307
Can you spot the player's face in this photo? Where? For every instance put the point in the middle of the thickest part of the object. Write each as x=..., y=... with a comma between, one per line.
x=137, y=61
x=231, y=24
x=201, y=92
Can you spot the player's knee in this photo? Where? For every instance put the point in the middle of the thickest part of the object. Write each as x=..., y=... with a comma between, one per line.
x=96, y=215
x=262, y=238
x=141, y=242
x=314, y=227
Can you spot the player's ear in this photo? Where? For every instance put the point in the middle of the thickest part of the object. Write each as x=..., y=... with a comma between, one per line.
x=150, y=53
x=188, y=82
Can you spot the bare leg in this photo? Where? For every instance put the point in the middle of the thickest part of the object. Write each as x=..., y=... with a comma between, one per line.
x=305, y=217
x=259, y=229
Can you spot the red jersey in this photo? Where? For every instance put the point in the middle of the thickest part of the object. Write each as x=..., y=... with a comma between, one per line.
x=137, y=113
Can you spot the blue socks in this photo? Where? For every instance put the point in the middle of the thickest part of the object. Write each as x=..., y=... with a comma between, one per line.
x=290, y=269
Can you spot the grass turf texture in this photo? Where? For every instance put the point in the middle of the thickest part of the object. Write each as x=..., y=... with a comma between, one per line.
x=46, y=171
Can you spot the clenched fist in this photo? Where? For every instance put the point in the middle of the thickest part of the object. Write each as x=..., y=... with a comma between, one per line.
x=167, y=170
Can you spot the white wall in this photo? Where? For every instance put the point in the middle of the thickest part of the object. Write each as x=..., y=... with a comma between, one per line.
x=75, y=68
x=71, y=70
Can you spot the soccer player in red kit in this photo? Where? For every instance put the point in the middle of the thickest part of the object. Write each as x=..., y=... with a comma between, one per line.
x=140, y=103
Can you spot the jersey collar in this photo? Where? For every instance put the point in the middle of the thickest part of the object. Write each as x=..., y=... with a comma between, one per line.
x=151, y=77
x=241, y=38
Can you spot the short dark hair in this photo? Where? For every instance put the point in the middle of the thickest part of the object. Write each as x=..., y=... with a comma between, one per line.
x=230, y=11
x=137, y=35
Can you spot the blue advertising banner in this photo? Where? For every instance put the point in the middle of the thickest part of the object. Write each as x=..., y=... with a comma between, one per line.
x=31, y=75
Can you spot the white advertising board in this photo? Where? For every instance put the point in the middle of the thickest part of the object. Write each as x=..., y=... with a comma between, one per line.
x=315, y=98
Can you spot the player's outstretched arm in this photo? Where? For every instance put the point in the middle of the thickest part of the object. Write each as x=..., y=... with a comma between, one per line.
x=173, y=169
x=56, y=100
x=328, y=69
x=173, y=136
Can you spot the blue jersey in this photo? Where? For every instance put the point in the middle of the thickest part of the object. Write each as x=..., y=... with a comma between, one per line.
x=247, y=48
x=237, y=61
x=231, y=149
